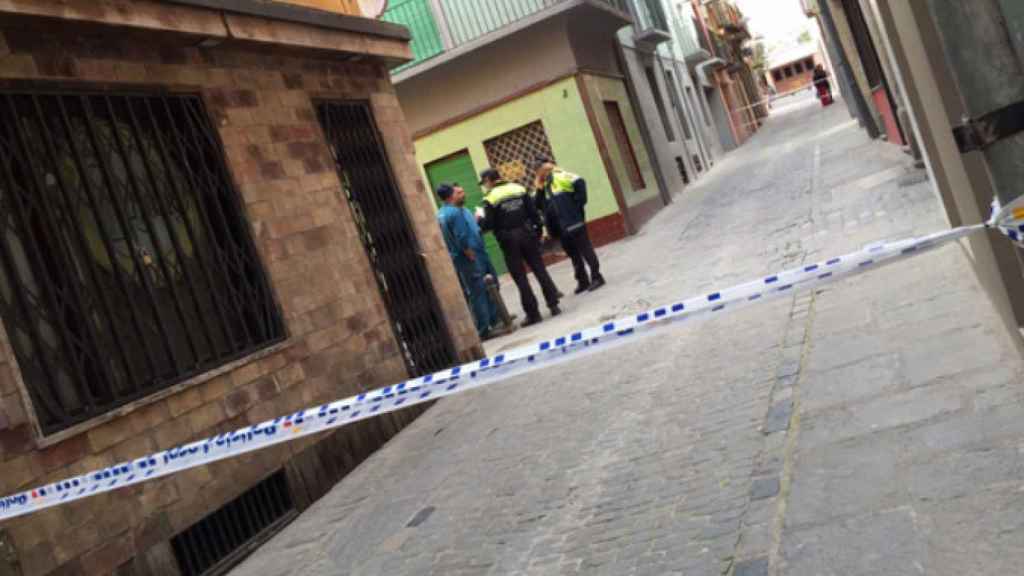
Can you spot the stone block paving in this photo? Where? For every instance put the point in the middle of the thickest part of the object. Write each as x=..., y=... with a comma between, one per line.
x=873, y=427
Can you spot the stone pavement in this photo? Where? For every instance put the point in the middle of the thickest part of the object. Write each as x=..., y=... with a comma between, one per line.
x=873, y=427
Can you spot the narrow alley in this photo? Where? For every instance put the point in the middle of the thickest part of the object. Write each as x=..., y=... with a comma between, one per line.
x=874, y=427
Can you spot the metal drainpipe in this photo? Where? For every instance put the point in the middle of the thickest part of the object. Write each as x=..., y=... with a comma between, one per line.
x=645, y=133
x=988, y=75
x=867, y=120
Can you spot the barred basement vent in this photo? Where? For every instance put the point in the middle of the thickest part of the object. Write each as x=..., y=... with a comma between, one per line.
x=220, y=541
x=682, y=169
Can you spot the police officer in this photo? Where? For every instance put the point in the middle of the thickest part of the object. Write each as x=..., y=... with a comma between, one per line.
x=562, y=196
x=510, y=213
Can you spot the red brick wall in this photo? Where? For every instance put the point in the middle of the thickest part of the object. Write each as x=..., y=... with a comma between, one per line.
x=795, y=82
x=340, y=339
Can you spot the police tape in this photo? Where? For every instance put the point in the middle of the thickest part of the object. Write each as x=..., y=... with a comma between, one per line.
x=773, y=98
x=491, y=370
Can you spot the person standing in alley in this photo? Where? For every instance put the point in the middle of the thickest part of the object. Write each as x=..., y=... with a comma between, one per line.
x=822, y=85
x=509, y=212
x=466, y=248
x=562, y=197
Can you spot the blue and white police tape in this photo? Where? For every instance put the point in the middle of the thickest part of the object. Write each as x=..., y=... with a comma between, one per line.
x=1009, y=220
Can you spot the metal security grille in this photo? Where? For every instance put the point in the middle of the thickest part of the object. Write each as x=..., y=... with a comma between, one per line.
x=221, y=540
x=514, y=153
x=125, y=263
x=386, y=232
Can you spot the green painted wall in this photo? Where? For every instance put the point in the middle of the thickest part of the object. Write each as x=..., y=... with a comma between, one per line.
x=603, y=89
x=560, y=108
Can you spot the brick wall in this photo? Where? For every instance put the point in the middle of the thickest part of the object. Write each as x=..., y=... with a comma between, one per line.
x=795, y=82
x=340, y=341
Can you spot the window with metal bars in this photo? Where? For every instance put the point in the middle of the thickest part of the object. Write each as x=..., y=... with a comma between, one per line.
x=221, y=540
x=126, y=264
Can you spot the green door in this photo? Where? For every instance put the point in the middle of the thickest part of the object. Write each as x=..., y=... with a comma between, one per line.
x=459, y=169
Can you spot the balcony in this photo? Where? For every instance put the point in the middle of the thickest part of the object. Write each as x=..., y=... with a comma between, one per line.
x=727, y=20
x=650, y=24
x=443, y=29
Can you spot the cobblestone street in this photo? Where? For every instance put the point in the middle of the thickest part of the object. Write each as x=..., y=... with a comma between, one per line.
x=873, y=427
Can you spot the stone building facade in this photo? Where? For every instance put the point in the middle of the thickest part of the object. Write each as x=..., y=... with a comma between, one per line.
x=252, y=74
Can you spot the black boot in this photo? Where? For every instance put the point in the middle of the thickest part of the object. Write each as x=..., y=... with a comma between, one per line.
x=531, y=321
x=582, y=287
x=597, y=283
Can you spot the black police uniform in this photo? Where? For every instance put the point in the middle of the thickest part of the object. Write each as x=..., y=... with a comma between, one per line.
x=510, y=213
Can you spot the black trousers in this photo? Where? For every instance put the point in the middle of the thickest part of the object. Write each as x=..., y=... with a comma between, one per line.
x=522, y=249
x=580, y=250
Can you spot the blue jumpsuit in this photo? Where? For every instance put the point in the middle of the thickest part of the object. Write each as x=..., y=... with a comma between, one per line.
x=461, y=232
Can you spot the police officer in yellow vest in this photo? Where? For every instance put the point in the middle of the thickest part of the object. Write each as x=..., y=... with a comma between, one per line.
x=562, y=197
x=510, y=213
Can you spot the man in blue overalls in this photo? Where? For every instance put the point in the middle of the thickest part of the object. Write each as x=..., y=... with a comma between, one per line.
x=466, y=247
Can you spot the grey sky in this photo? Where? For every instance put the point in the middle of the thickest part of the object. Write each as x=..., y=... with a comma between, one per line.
x=780, y=22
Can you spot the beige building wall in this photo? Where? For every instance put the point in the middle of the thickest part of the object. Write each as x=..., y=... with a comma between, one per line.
x=960, y=180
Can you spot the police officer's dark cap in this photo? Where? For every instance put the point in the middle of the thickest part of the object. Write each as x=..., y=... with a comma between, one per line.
x=541, y=160
x=489, y=175
x=445, y=191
